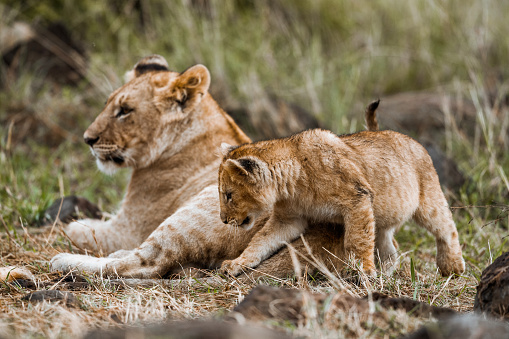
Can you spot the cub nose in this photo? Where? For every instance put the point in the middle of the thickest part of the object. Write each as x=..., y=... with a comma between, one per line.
x=90, y=141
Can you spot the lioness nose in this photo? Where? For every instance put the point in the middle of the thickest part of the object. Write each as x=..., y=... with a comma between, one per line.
x=90, y=141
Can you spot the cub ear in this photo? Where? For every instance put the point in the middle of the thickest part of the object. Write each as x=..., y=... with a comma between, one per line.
x=151, y=63
x=190, y=86
x=248, y=168
x=225, y=148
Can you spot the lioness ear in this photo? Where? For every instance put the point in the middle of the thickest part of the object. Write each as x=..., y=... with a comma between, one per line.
x=225, y=148
x=151, y=63
x=196, y=78
x=190, y=86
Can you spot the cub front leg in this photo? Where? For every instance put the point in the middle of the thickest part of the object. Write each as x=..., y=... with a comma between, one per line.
x=275, y=233
x=360, y=232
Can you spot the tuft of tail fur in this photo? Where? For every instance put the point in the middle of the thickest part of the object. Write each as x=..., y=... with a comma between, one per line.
x=371, y=122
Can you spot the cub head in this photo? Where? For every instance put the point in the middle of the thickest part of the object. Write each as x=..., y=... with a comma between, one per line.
x=245, y=189
x=143, y=119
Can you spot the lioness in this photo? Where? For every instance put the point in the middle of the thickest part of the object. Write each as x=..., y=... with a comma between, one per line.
x=167, y=128
x=371, y=182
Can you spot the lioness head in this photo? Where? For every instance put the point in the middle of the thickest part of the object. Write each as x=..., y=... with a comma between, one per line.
x=245, y=189
x=143, y=119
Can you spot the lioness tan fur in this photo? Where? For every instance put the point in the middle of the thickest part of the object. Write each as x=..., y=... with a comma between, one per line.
x=371, y=182
x=167, y=128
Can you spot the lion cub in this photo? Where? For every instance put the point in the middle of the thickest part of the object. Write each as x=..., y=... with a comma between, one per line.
x=371, y=182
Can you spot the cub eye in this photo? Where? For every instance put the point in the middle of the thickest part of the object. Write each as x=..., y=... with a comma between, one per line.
x=124, y=110
x=228, y=197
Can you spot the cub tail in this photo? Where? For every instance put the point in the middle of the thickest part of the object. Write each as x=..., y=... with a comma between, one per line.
x=370, y=116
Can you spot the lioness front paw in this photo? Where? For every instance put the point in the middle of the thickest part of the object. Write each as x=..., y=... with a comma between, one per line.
x=63, y=262
x=66, y=262
x=232, y=267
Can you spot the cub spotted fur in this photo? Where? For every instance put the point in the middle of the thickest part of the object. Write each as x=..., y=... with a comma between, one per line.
x=369, y=181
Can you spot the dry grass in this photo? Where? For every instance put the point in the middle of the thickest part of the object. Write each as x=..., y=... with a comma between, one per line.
x=104, y=304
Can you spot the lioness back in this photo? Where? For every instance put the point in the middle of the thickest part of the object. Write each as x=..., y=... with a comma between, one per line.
x=365, y=180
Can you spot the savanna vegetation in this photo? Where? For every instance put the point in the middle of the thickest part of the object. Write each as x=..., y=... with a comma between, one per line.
x=331, y=58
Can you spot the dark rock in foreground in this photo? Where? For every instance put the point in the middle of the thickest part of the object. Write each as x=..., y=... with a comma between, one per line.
x=413, y=307
x=71, y=282
x=493, y=290
x=463, y=327
x=291, y=305
x=192, y=329
x=67, y=298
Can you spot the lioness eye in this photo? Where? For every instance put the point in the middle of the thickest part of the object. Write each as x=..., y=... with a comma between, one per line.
x=123, y=111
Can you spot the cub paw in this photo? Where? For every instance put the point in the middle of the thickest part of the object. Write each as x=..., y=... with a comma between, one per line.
x=456, y=266
x=370, y=272
x=232, y=267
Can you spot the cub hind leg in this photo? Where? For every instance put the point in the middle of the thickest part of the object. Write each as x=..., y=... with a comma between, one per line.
x=433, y=214
x=386, y=249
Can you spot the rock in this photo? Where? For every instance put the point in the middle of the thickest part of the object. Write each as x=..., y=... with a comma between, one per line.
x=190, y=329
x=73, y=207
x=270, y=117
x=416, y=308
x=265, y=302
x=269, y=303
x=424, y=114
x=15, y=34
x=67, y=298
x=53, y=58
x=71, y=282
x=462, y=327
x=50, y=48
x=492, y=295
x=448, y=173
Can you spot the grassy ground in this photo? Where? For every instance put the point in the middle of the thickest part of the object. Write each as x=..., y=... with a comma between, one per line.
x=326, y=56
